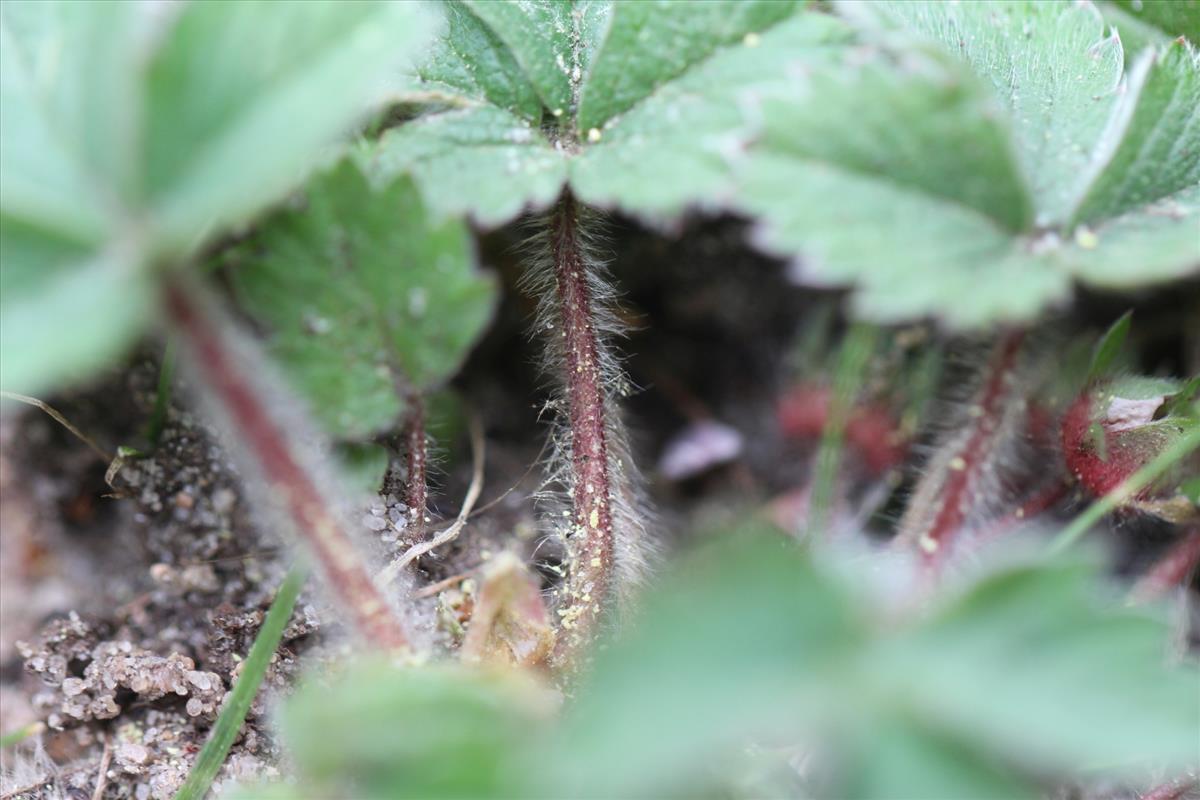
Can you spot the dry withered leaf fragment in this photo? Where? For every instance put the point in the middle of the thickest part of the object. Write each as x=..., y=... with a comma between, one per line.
x=511, y=624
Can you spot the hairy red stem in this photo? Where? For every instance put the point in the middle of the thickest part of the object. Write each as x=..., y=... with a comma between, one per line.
x=348, y=578
x=1175, y=790
x=945, y=498
x=1171, y=570
x=591, y=541
x=1042, y=500
x=415, y=457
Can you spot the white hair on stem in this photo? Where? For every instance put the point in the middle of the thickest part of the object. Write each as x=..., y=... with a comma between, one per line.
x=594, y=498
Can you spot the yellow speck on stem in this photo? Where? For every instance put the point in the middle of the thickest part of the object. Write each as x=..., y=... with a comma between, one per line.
x=957, y=464
x=594, y=135
x=594, y=519
x=751, y=39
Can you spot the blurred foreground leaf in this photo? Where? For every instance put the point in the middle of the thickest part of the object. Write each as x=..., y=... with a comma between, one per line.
x=1029, y=672
x=421, y=732
x=1033, y=664
x=127, y=141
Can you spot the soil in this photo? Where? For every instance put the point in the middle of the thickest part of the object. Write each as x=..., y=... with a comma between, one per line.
x=126, y=609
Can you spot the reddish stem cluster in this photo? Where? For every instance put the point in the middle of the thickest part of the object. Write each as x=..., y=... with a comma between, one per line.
x=871, y=430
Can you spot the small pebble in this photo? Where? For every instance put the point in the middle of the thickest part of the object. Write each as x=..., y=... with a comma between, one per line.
x=132, y=752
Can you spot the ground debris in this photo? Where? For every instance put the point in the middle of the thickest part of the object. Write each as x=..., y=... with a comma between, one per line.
x=95, y=683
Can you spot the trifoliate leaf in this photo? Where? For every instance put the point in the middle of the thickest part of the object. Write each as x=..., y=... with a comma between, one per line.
x=68, y=89
x=1029, y=671
x=1150, y=245
x=366, y=298
x=975, y=185
x=754, y=643
x=632, y=105
x=676, y=146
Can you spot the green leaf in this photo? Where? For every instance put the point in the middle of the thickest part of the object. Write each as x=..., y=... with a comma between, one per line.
x=366, y=298
x=226, y=135
x=1109, y=346
x=901, y=758
x=68, y=92
x=125, y=142
x=1191, y=490
x=745, y=638
x=484, y=161
x=657, y=123
x=540, y=38
x=971, y=183
x=678, y=146
x=1185, y=402
x=1171, y=17
x=1027, y=672
x=649, y=44
x=363, y=465
x=1032, y=665
x=1136, y=34
x=473, y=63
x=70, y=96
x=1149, y=150
x=898, y=173
x=431, y=732
x=1140, y=248
x=1050, y=63
x=59, y=325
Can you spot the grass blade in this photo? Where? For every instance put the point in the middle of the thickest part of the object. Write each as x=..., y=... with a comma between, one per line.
x=853, y=359
x=230, y=720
